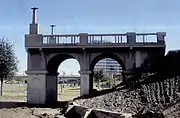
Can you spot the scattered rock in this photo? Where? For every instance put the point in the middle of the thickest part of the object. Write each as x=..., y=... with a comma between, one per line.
x=143, y=100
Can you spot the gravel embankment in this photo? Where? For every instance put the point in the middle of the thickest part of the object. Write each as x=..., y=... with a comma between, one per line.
x=150, y=98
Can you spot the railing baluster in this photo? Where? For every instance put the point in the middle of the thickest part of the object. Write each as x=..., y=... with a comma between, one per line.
x=75, y=39
x=71, y=39
x=66, y=39
x=48, y=40
x=89, y=39
x=145, y=38
x=121, y=39
x=118, y=39
x=101, y=39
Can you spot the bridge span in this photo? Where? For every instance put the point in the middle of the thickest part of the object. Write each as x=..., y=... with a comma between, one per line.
x=46, y=52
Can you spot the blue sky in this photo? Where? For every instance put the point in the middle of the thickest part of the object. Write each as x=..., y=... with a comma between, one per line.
x=92, y=16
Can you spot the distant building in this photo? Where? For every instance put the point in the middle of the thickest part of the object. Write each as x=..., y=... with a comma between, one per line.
x=69, y=79
x=108, y=66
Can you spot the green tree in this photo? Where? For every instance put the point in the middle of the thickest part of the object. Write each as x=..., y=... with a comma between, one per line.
x=106, y=79
x=98, y=76
x=8, y=61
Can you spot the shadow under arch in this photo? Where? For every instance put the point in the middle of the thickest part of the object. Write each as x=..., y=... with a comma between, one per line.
x=106, y=55
x=55, y=61
x=102, y=56
x=52, y=76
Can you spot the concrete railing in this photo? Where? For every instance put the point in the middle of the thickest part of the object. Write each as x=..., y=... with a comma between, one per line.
x=87, y=39
x=106, y=38
x=60, y=39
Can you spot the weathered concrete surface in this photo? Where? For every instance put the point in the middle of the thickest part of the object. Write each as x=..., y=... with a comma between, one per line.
x=51, y=88
x=85, y=83
x=76, y=111
x=107, y=114
x=36, y=87
x=41, y=88
x=81, y=112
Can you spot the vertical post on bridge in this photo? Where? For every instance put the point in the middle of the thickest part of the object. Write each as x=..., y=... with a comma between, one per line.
x=34, y=15
x=52, y=39
x=52, y=29
x=33, y=26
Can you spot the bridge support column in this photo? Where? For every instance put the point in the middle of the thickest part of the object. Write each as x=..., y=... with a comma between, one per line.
x=85, y=82
x=51, y=87
x=138, y=59
x=36, y=87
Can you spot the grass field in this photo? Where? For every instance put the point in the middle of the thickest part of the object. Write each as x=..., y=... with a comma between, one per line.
x=68, y=93
x=17, y=92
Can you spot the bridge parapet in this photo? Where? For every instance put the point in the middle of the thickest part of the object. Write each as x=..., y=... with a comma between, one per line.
x=84, y=38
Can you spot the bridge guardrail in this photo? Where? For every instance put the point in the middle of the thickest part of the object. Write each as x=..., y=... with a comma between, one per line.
x=60, y=39
x=84, y=39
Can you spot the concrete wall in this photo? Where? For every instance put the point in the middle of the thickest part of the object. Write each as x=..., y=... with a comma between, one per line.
x=85, y=82
x=51, y=88
x=36, y=87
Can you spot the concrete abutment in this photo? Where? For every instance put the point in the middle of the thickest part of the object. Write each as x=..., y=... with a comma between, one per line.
x=36, y=86
x=85, y=82
x=41, y=87
x=51, y=87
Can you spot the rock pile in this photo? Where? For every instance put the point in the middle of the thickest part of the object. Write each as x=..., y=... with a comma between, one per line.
x=150, y=98
x=155, y=92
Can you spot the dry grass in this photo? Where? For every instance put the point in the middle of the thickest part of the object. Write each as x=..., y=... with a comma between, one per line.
x=15, y=93
x=18, y=92
x=68, y=93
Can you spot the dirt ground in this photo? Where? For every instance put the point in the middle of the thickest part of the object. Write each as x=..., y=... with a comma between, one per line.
x=13, y=103
x=27, y=112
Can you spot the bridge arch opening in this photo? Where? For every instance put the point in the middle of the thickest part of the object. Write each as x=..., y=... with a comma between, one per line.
x=107, y=71
x=64, y=68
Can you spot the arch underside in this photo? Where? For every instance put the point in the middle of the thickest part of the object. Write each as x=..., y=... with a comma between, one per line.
x=54, y=62
x=106, y=55
x=86, y=84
